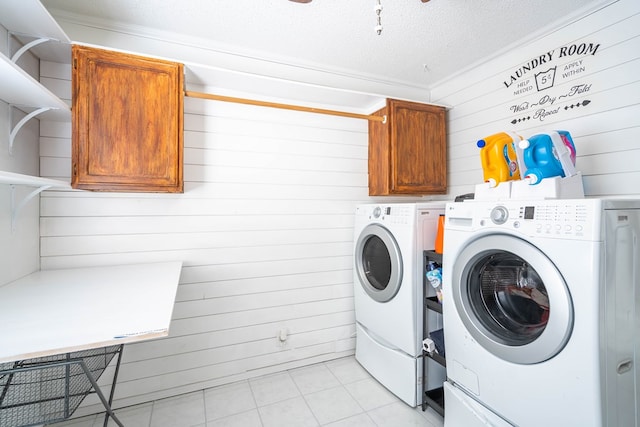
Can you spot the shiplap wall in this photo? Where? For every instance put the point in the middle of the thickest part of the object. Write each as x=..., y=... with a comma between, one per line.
x=606, y=132
x=264, y=228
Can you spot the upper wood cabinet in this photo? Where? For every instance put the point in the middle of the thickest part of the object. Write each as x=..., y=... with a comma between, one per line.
x=127, y=120
x=407, y=153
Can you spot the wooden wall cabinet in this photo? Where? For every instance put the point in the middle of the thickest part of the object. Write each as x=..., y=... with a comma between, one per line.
x=407, y=154
x=127, y=121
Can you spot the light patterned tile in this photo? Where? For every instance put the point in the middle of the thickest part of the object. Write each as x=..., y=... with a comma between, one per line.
x=133, y=416
x=288, y=413
x=278, y=401
x=229, y=399
x=332, y=405
x=244, y=419
x=370, y=394
x=310, y=379
x=360, y=420
x=398, y=414
x=181, y=411
x=273, y=388
x=347, y=370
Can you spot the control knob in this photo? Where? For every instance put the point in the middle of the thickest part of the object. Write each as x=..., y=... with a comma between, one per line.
x=499, y=215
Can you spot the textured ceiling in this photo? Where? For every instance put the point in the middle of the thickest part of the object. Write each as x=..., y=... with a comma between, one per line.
x=420, y=44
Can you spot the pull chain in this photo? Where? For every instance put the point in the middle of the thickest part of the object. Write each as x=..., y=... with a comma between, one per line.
x=378, y=10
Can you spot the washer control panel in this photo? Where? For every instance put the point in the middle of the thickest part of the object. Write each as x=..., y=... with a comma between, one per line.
x=576, y=218
x=556, y=219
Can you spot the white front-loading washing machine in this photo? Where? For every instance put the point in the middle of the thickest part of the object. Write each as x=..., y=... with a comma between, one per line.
x=388, y=293
x=542, y=312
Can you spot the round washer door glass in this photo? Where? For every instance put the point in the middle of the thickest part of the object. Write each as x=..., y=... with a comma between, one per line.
x=512, y=299
x=378, y=263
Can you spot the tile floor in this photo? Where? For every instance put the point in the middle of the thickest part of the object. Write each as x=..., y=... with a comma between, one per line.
x=335, y=393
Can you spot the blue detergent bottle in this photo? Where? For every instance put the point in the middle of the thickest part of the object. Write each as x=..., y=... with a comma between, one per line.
x=547, y=155
x=434, y=277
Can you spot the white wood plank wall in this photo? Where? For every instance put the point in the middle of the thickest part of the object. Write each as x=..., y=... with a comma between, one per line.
x=264, y=228
x=606, y=132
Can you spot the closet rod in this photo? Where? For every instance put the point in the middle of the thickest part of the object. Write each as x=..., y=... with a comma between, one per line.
x=211, y=96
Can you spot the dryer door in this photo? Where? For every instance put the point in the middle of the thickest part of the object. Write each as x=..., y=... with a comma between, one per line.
x=378, y=263
x=512, y=299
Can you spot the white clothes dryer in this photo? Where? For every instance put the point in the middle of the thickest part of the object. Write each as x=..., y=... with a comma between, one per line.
x=388, y=293
x=542, y=310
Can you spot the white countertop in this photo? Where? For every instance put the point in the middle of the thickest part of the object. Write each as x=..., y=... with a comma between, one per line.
x=58, y=311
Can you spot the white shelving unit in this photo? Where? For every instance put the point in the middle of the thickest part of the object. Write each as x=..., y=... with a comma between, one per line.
x=35, y=28
x=20, y=89
x=29, y=19
x=24, y=92
x=433, y=397
x=40, y=185
x=31, y=23
x=32, y=181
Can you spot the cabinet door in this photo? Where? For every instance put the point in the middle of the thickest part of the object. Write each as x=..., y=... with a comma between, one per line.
x=127, y=119
x=418, y=147
x=407, y=154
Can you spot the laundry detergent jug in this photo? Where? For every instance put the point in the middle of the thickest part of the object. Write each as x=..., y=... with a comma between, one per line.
x=548, y=154
x=499, y=157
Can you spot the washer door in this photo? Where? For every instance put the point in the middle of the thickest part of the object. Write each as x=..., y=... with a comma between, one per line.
x=512, y=299
x=378, y=263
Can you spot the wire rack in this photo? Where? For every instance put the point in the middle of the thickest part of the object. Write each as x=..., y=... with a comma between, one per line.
x=49, y=389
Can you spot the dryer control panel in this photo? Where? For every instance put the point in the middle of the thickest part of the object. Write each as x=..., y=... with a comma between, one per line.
x=398, y=214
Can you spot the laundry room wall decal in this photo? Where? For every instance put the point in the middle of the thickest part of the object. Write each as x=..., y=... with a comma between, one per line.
x=554, y=70
x=562, y=52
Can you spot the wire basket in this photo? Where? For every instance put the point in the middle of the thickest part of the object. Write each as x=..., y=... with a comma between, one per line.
x=49, y=389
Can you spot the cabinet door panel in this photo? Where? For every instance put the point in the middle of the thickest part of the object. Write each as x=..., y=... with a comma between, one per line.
x=418, y=142
x=127, y=122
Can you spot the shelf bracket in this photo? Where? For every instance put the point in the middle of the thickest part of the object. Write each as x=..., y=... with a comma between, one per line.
x=21, y=123
x=28, y=46
x=16, y=208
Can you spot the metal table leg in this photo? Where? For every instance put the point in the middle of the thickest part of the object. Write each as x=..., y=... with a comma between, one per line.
x=19, y=406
